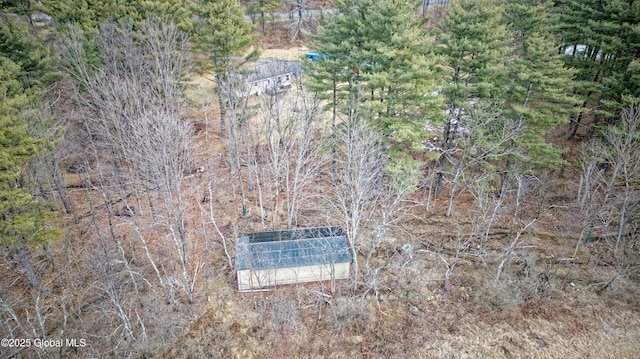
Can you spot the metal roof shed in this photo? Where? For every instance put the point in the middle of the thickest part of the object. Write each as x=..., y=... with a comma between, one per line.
x=265, y=259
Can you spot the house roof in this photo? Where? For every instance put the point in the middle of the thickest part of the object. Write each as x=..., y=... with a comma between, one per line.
x=291, y=248
x=272, y=69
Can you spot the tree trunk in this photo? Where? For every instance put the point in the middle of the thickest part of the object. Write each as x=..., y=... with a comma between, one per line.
x=503, y=179
x=574, y=124
x=592, y=129
x=334, y=173
x=445, y=146
x=425, y=8
x=49, y=256
x=452, y=190
x=29, y=271
x=223, y=104
x=57, y=181
x=622, y=218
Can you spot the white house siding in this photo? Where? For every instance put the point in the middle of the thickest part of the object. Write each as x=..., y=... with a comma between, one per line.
x=272, y=77
x=256, y=279
x=272, y=84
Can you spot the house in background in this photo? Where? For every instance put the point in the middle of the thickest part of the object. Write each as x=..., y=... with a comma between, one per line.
x=266, y=259
x=266, y=78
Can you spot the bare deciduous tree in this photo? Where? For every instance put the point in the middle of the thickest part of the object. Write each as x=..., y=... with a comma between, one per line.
x=489, y=206
x=279, y=146
x=292, y=138
x=302, y=17
x=477, y=137
x=360, y=169
x=392, y=206
x=609, y=169
x=133, y=115
x=520, y=219
x=624, y=140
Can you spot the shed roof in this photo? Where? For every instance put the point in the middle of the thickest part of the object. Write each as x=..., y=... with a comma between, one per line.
x=291, y=248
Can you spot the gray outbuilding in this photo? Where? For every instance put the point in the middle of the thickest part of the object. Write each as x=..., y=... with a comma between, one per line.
x=265, y=259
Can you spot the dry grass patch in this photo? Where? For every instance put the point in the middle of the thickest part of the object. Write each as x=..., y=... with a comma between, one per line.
x=292, y=54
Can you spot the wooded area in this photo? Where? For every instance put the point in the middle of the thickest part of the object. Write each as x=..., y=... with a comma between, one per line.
x=481, y=156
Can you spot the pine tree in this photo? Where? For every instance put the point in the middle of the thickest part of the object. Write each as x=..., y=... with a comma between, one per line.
x=25, y=70
x=20, y=7
x=475, y=47
x=24, y=219
x=329, y=73
x=376, y=61
x=474, y=42
x=26, y=50
x=171, y=9
x=221, y=34
x=502, y=59
x=262, y=9
x=539, y=84
x=602, y=42
x=525, y=17
x=89, y=14
x=396, y=62
x=539, y=95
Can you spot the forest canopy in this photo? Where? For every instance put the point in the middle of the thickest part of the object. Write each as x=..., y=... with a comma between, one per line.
x=480, y=156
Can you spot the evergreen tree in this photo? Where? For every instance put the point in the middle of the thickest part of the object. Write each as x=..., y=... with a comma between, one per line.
x=262, y=9
x=525, y=17
x=174, y=10
x=475, y=47
x=502, y=59
x=539, y=84
x=20, y=7
x=26, y=50
x=376, y=61
x=24, y=70
x=23, y=223
x=89, y=14
x=329, y=72
x=221, y=34
x=395, y=61
x=539, y=96
x=602, y=43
